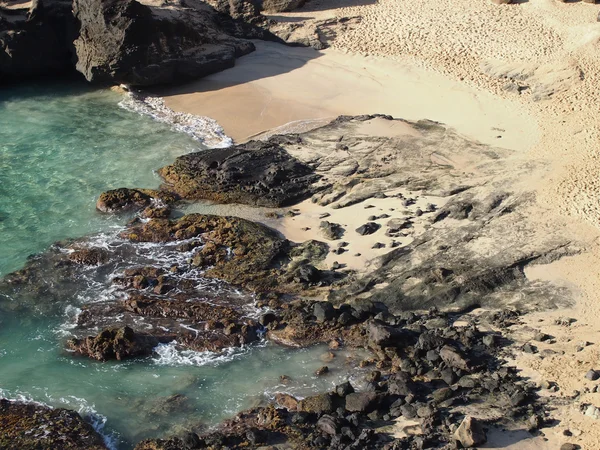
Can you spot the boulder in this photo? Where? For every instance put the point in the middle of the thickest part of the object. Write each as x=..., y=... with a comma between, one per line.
x=454, y=358
x=368, y=228
x=470, y=432
x=323, y=311
x=364, y=402
x=318, y=404
x=115, y=343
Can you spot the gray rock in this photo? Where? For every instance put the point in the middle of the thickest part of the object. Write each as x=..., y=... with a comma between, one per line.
x=327, y=425
x=323, y=311
x=281, y=5
x=361, y=402
x=368, y=228
x=592, y=375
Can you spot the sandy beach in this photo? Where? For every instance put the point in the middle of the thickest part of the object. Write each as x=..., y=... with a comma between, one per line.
x=522, y=77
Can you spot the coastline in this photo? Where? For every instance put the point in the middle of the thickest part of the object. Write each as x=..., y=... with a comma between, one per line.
x=559, y=136
x=475, y=206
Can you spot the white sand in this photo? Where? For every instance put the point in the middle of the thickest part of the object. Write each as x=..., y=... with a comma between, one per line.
x=276, y=85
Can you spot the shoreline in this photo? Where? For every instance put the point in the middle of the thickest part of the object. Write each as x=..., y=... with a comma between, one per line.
x=562, y=168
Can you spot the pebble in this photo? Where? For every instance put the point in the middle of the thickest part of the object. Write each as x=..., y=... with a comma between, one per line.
x=592, y=375
x=322, y=371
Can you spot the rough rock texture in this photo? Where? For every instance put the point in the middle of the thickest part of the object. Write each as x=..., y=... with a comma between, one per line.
x=32, y=426
x=409, y=384
x=256, y=173
x=36, y=42
x=281, y=5
x=125, y=41
x=116, y=343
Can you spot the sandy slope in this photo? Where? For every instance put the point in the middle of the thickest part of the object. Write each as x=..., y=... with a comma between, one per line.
x=528, y=72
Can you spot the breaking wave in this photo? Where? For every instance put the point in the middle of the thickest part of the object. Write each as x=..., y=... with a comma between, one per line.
x=202, y=129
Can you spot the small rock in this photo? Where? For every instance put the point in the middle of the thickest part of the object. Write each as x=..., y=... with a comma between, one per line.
x=327, y=425
x=541, y=337
x=592, y=375
x=322, y=371
x=489, y=340
x=378, y=245
x=569, y=446
x=367, y=228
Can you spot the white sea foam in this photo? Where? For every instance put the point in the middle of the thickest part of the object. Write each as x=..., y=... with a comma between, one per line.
x=170, y=355
x=202, y=129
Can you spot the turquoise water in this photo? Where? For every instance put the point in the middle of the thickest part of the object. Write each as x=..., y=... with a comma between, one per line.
x=60, y=147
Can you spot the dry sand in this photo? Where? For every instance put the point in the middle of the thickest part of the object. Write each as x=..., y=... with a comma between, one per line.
x=528, y=72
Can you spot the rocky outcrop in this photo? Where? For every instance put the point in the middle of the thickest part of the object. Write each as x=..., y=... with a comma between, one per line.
x=153, y=203
x=116, y=343
x=256, y=173
x=36, y=42
x=33, y=426
x=126, y=41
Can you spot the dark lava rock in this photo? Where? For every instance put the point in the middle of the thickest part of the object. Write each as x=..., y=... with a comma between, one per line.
x=331, y=231
x=117, y=344
x=368, y=228
x=323, y=311
x=255, y=173
x=89, y=256
x=123, y=41
x=27, y=426
x=37, y=42
x=344, y=389
x=363, y=402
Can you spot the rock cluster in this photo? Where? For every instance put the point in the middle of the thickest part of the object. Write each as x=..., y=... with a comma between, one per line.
x=426, y=370
x=29, y=425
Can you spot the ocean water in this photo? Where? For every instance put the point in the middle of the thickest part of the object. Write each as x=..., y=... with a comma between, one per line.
x=60, y=147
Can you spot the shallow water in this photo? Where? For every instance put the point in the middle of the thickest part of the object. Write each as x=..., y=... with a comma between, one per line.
x=60, y=147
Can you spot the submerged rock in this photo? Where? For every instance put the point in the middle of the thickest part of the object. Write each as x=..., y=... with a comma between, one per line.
x=33, y=426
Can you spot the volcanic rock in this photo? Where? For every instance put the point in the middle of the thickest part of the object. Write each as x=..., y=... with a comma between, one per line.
x=26, y=425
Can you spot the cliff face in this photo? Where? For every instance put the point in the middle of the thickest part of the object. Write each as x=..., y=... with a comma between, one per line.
x=121, y=41
x=36, y=42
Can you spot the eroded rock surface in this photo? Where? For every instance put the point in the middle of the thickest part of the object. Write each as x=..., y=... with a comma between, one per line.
x=125, y=41
x=32, y=426
x=256, y=173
